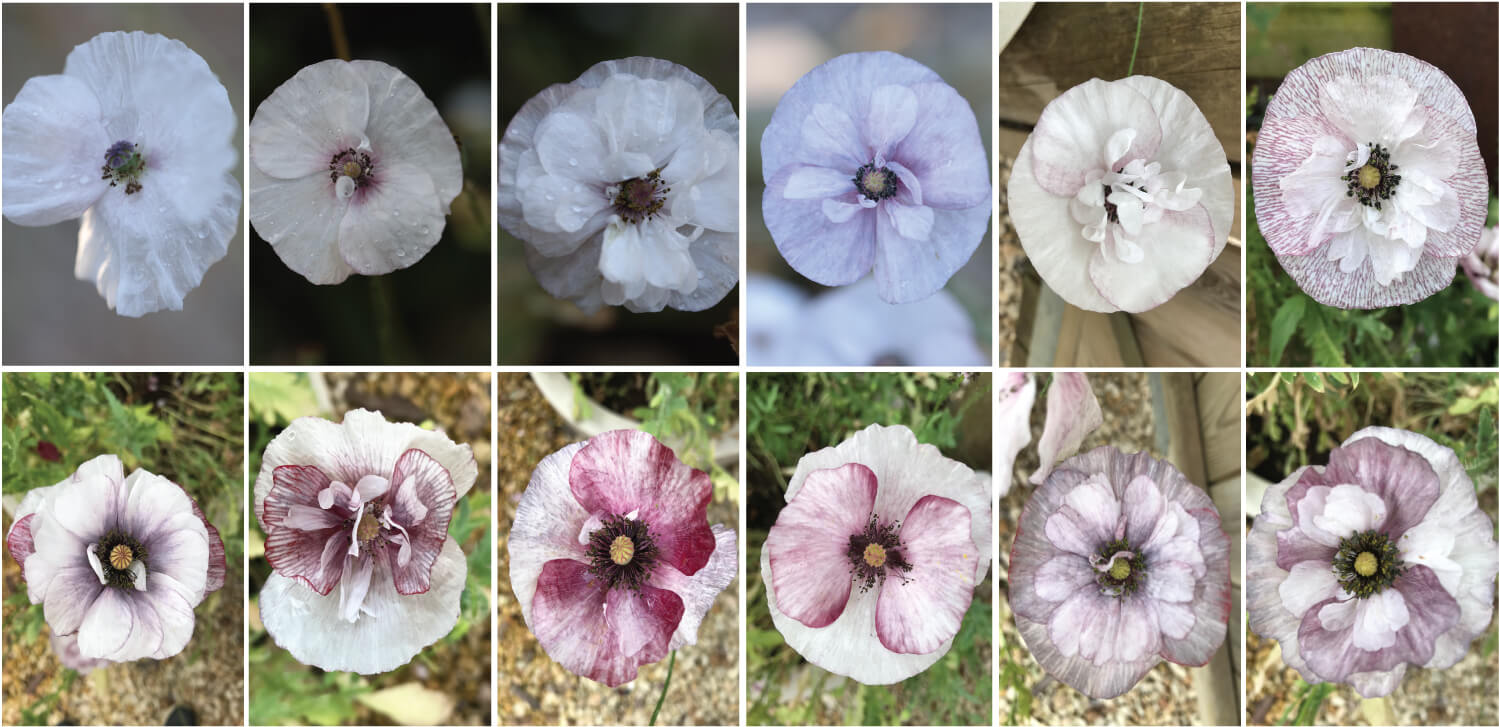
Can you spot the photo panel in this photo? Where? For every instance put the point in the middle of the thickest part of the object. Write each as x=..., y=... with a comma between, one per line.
x=123, y=130
x=370, y=548
x=124, y=583
x=618, y=548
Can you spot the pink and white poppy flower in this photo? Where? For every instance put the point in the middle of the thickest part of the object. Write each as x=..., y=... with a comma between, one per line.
x=1368, y=184
x=611, y=555
x=361, y=508
x=1119, y=562
x=118, y=563
x=1122, y=194
x=1482, y=265
x=871, y=566
x=352, y=170
x=1378, y=561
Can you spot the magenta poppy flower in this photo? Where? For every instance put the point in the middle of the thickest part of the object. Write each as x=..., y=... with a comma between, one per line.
x=1376, y=562
x=1368, y=184
x=871, y=161
x=1119, y=562
x=611, y=555
x=871, y=565
x=118, y=563
x=356, y=521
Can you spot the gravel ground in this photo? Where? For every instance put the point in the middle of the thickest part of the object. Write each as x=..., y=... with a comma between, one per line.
x=1009, y=255
x=1166, y=695
x=207, y=677
x=533, y=689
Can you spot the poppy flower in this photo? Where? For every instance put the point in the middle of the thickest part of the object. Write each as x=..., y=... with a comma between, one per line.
x=611, y=555
x=872, y=162
x=352, y=170
x=356, y=520
x=1368, y=184
x=1376, y=562
x=1122, y=194
x=118, y=563
x=136, y=137
x=624, y=185
x=871, y=566
x=1119, y=562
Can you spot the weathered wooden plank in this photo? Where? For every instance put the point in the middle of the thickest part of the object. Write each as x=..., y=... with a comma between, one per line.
x=1200, y=325
x=1193, y=46
x=1085, y=339
x=1220, y=405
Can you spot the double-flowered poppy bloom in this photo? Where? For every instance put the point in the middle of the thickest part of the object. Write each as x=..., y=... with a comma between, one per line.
x=1376, y=562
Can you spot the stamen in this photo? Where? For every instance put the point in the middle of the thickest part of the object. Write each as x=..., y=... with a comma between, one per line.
x=352, y=164
x=1367, y=563
x=876, y=553
x=876, y=183
x=118, y=551
x=640, y=198
x=622, y=550
x=123, y=162
x=1374, y=182
x=621, y=553
x=121, y=556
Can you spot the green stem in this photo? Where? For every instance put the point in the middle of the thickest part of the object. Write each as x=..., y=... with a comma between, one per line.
x=385, y=319
x=664, y=686
x=1139, y=23
x=336, y=29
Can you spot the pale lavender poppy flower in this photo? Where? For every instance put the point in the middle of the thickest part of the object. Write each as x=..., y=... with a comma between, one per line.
x=1368, y=184
x=1072, y=413
x=871, y=565
x=872, y=161
x=611, y=555
x=1374, y=563
x=1119, y=562
x=1122, y=194
x=118, y=563
x=361, y=508
x=1482, y=265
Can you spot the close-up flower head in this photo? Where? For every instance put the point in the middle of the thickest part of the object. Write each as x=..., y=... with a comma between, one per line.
x=1119, y=562
x=872, y=564
x=356, y=518
x=872, y=162
x=352, y=170
x=118, y=563
x=1122, y=195
x=135, y=137
x=624, y=186
x=1373, y=564
x=611, y=555
x=1368, y=183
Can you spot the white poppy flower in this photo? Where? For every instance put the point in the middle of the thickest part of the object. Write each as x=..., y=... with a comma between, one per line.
x=352, y=171
x=135, y=137
x=624, y=185
x=1122, y=195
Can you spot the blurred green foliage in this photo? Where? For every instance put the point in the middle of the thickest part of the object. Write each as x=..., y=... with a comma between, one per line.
x=285, y=691
x=187, y=427
x=789, y=415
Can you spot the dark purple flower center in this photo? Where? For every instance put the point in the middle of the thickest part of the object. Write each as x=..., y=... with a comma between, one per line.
x=876, y=183
x=875, y=553
x=1375, y=181
x=622, y=553
x=1367, y=563
x=123, y=164
x=354, y=164
x=1121, y=575
x=640, y=198
x=116, y=551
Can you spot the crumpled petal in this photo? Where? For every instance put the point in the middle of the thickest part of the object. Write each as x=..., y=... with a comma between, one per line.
x=1072, y=412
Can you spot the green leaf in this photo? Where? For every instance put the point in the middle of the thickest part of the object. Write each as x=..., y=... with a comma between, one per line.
x=1314, y=380
x=1286, y=320
x=278, y=397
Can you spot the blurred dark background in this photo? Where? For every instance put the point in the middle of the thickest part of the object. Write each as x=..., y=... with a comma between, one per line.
x=543, y=44
x=441, y=305
x=50, y=316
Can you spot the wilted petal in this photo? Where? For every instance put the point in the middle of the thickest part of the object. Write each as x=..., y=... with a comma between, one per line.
x=1072, y=413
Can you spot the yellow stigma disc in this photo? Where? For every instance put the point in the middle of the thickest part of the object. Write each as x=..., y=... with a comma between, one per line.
x=874, y=555
x=121, y=556
x=622, y=550
x=1365, y=564
x=1368, y=176
x=352, y=169
x=1120, y=569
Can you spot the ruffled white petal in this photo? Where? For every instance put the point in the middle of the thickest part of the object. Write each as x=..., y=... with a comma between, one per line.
x=300, y=218
x=54, y=145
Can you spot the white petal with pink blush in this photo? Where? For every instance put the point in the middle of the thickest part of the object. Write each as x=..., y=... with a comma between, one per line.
x=1122, y=195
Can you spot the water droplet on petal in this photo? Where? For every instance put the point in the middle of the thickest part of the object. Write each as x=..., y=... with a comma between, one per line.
x=400, y=253
x=398, y=213
x=202, y=235
x=425, y=230
x=161, y=209
x=57, y=186
x=551, y=198
x=83, y=179
x=572, y=162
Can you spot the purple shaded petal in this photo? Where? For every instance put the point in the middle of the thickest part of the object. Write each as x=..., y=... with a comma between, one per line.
x=892, y=113
x=909, y=269
x=1143, y=507
x=1071, y=414
x=830, y=139
x=421, y=499
x=807, y=544
x=1062, y=576
x=937, y=149
x=1403, y=478
x=1309, y=583
x=1330, y=632
x=699, y=590
x=603, y=635
x=18, y=540
x=921, y=611
x=218, y=564
x=826, y=251
x=626, y=471
x=296, y=552
x=66, y=649
x=1211, y=600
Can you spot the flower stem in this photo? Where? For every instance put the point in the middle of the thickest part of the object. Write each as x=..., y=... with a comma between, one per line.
x=664, y=686
x=385, y=320
x=1139, y=23
x=336, y=29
